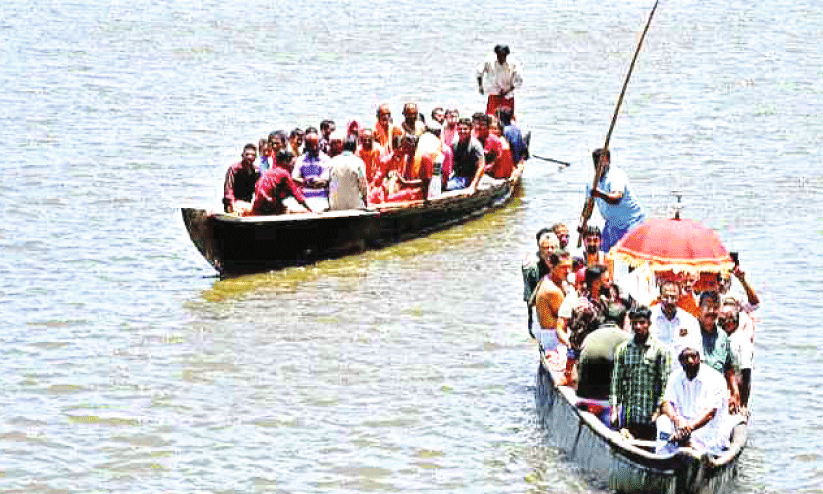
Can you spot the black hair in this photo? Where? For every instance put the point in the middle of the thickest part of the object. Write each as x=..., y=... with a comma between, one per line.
x=481, y=117
x=437, y=108
x=249, y=146
x=350, y=144
x=641, y=312
x=465, y=121
x=504, y=114
x=597, y=153
x=325, y=124
x=593, y=230
x=311, y=130
x=542, y=232
x=713, y=296
x=296, y=132
x=594, y=273
x=616, y=313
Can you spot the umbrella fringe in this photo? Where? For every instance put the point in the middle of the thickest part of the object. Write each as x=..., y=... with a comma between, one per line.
x=696, y=266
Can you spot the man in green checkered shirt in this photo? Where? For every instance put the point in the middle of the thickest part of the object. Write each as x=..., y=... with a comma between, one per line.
x=641, y=369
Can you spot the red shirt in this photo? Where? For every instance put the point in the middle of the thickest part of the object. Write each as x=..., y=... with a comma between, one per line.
x=274, y=186
x=493, y=150
x=503, y=165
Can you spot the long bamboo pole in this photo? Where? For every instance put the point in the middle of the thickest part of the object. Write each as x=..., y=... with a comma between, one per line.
x=598, y=174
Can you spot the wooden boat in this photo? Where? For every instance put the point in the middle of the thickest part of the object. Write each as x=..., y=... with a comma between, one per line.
x=630, y=465
x=234, y=244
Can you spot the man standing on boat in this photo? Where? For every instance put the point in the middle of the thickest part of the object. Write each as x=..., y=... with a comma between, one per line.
x=641, y=369
x=240, y=181
x=498, y=78
x=616, y=201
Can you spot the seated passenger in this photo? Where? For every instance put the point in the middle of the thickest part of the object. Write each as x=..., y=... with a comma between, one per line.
x=296, y=141
x=674, y=327
x=336, y=144
x=562, y=232
x=505, y=165
x=468, y=159
x=742, y=349
x=274, y=186
x=694, y=408
x=641, y=371
x=428, y=160
x=449, y=133
x=549, y=297
x=311, y=172
x=327, y=127
x=347, y=179
x=238, y=187
x=371, y=153
x=264, y=161
x=492, y=147
x=717, y=350
x=278, y=142
x=414, y=179
x=386, y=182
x=512, y=133
x=383, y=128
x=594, y=370
x=411, y=125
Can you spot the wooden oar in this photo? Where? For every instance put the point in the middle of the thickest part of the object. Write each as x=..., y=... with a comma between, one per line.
x=598, y=174
x=564, y=163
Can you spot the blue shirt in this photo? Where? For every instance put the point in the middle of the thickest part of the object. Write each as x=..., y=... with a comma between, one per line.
x=620, y=217
x=315, y=166
x=515, y=138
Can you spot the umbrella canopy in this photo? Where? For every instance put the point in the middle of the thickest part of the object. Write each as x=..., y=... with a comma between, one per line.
x=676, y=245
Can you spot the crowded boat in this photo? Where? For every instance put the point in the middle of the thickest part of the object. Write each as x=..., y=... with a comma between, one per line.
x=662, y=355
x=326, y=169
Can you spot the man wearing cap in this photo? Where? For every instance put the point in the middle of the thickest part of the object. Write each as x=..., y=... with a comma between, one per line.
x=694, y=407
x=498, y=77
x=641, y=369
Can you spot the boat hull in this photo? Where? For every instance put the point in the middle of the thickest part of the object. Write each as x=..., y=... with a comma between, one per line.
x=235, y=244
x=629, y=468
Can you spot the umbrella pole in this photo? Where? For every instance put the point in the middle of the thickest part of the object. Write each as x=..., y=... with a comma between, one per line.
x=598, y=174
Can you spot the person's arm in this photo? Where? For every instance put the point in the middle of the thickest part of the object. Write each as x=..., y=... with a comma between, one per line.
x=516, y=79
x=297, y=194
x=542, y=303
x=297, y=174
x=228, y=191
x=481, y=165
x=750, y=295
x=734, y=392
x=562, y=330
x=612, y=198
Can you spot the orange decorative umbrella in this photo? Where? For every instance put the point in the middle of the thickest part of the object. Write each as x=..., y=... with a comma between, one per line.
x=676, y=245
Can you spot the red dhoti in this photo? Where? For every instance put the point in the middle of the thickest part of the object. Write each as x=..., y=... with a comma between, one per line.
x=496, y=101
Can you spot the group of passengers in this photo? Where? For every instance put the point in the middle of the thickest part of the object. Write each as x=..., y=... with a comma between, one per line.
x=675, y=372
x=327, y=169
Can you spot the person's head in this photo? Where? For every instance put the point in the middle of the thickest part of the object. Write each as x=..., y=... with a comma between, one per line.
x=497, y=128
x=541, y=232
x=326, y=128
x=598, y=280
x=366, y=139
x=546, y=244
x=249, y=154
x=616, y=314
x=728, y=317
x=410, y=113
x=464, y=129
x=408, y=144
x=561, y=264
x=502, y=51
x=480, y=121
x=504, y=114
x=709, y=307
x=336, y=143
x=439, y=115
x=562, y=233
x=593, y=239
x=296, y=138
x=384, y=114
x=277, y=140
x=264, y=148
x=640, y=318
x=601, y=154
x=452, y=117
x=669, y=295
x=690, y=361
x=312, y=139
x=350, y=144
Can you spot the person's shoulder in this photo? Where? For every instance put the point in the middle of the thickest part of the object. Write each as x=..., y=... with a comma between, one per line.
x=710, y=375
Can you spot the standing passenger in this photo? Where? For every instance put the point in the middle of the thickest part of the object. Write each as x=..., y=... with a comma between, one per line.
x=327, y=127
x=641, y=370
x=498, y=77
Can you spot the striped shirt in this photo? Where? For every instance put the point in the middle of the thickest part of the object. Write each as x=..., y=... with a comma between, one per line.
x=639, y=379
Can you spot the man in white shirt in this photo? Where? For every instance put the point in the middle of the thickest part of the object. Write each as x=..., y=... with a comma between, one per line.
x=498, y=78
x=347, y=179
x=694, y=408
x=740, y=340
x=674, y=327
